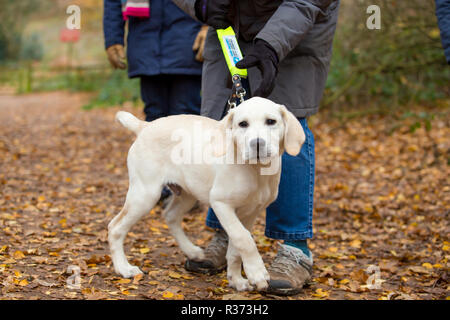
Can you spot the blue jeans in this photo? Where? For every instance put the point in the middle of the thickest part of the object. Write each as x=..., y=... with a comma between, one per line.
x=290, y=216
x=170, y=94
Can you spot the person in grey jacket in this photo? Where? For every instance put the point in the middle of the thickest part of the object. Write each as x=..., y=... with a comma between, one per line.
x=287, y=46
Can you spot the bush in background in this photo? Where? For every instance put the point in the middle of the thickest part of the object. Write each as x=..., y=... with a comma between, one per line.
x=115, y=91
x=401, y=64
x=13, y=17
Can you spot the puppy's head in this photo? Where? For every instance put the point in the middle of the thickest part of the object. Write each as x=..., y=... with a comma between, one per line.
x=261, y=129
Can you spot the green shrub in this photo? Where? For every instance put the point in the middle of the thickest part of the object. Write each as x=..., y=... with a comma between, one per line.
x=31, y=48
x=401, y=64
x=115, y=91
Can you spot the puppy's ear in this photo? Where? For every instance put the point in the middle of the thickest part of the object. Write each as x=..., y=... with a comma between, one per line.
x=220, y=141
x=294, y=136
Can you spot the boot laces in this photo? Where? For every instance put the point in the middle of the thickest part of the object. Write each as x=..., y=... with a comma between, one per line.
x=288, y=259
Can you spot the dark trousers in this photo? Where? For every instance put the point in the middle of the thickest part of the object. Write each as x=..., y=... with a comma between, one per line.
x=170, y=94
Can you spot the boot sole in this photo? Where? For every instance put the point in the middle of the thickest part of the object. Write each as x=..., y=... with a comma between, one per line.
x=194, y=266
x=283, y=291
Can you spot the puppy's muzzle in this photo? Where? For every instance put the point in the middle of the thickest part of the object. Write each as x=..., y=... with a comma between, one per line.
x=257, y=143
x=258, y=147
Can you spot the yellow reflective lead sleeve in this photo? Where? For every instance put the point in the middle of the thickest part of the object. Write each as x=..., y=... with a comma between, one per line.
x=231, y=51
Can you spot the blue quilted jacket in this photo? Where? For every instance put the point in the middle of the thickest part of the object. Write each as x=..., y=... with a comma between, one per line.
x=161, y=44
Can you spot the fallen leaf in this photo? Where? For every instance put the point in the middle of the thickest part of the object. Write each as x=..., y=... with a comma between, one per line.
x=174, y=275
x=234, y=296
x=355, y=243
x=123, y=281
x=45, y=283
x=320, y=293
x=18, y=255
x=23, y=282
x=167, y=294
x=137, y=278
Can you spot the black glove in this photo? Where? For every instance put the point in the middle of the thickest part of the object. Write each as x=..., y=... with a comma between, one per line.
x=263, y=56
x=213, y=12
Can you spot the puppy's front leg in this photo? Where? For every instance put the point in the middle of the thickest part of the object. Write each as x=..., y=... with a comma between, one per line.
x=234, y=270
x=242, y=240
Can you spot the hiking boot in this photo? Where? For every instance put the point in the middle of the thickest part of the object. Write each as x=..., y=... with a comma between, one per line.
x=289, y=271
x=215, y=256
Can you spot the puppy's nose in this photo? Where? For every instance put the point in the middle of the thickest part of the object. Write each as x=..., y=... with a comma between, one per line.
x=257, y=143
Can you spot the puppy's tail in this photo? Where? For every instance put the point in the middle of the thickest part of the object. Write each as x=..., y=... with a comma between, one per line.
x=130, y=122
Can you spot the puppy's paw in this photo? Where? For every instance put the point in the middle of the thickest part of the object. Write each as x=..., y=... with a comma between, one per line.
x=258, y=277
x=240, y=284
x=129, y=271
x=260, y=283
x=196, y=254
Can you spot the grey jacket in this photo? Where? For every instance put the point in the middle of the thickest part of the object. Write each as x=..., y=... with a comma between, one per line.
x=300, y=31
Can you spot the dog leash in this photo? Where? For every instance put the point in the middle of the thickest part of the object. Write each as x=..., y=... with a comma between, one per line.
x=233, y=54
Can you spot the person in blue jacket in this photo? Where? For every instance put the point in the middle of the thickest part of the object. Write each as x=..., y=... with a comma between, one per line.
x=160, y=52
x=443, y=16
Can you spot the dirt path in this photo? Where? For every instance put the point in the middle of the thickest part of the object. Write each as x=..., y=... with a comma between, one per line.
x=381, y=200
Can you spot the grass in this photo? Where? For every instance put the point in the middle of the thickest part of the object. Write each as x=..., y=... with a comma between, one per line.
x=116, y=90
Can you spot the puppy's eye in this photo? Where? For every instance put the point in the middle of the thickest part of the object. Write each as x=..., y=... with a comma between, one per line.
x=243, y=124
x=270, y=122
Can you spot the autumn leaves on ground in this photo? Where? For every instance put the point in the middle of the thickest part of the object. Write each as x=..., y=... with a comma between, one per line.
x=381, y=219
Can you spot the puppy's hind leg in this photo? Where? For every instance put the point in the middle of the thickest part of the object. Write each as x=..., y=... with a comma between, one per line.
x=173, y=214
x=140, y=200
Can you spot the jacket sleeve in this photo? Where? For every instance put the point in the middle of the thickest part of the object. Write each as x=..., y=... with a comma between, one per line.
x=187, y=6
x=113, y=23
x=290, y=23
x=443, y=16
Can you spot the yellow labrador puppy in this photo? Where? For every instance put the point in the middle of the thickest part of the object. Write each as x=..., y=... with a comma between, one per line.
x=233, y=165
